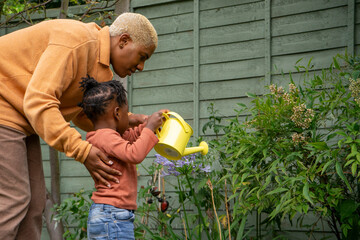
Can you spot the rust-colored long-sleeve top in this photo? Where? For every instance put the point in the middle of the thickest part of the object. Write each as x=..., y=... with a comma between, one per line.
x=126, y=151
x=41, y=67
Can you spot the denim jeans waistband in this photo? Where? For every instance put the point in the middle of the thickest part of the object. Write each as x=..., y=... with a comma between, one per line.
x=107, y=207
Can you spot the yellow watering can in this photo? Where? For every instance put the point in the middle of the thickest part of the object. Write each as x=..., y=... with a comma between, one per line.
x=174, y=136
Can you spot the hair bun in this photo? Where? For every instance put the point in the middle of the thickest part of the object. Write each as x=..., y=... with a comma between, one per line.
x=88, y=82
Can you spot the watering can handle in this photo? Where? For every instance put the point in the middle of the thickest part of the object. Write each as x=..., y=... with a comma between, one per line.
x=157, y=130
x=177, y=116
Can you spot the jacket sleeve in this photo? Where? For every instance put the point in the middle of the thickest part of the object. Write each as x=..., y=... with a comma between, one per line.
x=83, y=122
x=131, y=152
x=52, y=76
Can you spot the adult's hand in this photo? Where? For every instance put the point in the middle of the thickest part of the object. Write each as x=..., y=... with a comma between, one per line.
x=99, y=171
x=137, y=119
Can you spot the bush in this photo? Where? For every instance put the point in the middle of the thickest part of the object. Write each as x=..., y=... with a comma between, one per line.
x=298, y=150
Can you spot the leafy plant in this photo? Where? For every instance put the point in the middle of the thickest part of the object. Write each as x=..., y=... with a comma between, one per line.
x=73, y=212
x=298, y=150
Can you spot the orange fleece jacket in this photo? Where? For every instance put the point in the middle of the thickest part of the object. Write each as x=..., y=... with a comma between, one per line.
x=41, y=67
x=126, y=151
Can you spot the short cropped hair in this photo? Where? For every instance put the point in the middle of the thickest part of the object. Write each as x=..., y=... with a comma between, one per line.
x=137, y=26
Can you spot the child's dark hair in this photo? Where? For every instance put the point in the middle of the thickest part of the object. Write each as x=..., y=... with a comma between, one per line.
x=97, y=96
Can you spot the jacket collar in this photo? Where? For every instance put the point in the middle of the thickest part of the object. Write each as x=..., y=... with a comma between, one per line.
x=104, y=52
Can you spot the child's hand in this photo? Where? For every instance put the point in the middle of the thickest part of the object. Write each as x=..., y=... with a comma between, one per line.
x=155, y=120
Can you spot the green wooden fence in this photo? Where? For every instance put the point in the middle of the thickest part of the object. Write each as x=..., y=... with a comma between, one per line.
x=213, y=51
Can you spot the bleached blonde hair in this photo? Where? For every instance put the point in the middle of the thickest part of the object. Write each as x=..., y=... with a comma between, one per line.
x=137, y=26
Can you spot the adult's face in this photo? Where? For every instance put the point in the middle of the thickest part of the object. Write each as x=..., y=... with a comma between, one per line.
x=126, y=56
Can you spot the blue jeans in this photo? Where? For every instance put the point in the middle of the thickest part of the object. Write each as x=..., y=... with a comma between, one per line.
x=106, y=222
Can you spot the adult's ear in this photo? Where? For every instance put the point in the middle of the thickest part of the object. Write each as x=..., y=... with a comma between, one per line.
x=124, y=39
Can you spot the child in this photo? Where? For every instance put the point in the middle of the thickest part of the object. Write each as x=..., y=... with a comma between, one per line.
x=112, y=214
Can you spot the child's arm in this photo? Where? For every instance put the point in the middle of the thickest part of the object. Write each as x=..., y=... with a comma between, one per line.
x=133, y=152
x=133, y=133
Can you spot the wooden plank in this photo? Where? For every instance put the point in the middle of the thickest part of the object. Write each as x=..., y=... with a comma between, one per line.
x=196, y=68
x=268, y=41
x=75, y=184
x=45, y=152
x=297, y=77
x=230, y=89
x=166, y=94
x=232, y=70
x=185, y=109
x=169, y=76
x=173, y=24
x=170, y=8
x=143, y=3
x=71, y=168
x=300, y=235
x=232, y=51
x=44, y=234
x=290, y=7
x=180, y=58
x=209, y=133
x=309, y=21
x=321, y=59
x=175, y=41
x=351, y=26
x=211, y=4
x=310, y=41
x=46, y=168
x=234, y=14
x=232, y=33
x=225, y=107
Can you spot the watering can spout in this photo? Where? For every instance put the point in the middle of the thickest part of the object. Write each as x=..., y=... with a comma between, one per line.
x=203, y=148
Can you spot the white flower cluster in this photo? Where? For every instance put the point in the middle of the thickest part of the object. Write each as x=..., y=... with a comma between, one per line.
x=355, y=89
x=298, y=137
x=302, y=117
x=288, y=97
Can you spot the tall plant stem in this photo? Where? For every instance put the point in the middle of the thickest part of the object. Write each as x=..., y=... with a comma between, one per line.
x=183, y=205
x=213, y=203
x=198, y=208
x=227, y=211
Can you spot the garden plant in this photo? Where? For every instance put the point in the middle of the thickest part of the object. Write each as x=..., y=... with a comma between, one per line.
x=292, y=153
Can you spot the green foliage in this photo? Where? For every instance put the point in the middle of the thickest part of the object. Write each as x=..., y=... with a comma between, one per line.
x=33, y=11
x=190, y=176
x=73, y=212
x=298, y=150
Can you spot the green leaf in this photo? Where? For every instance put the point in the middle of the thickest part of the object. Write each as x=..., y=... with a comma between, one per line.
x=306, y=193
x=354, y=168
x=319, y=145
x=341, y=175
x=241, y=229
x=277, y=190
x=356, y=74
x=347, y=208
x=250, y=95
x=336, y=64
x=298, y=60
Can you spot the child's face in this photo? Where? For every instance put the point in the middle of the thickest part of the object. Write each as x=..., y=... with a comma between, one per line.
x=122, y=123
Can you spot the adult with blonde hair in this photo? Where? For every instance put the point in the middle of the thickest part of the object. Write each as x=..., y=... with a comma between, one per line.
x=40, y=75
